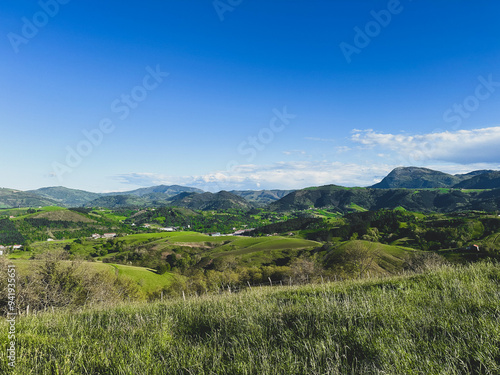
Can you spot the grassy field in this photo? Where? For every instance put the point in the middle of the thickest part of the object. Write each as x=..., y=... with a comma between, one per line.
x=442, y=322
x=147, y=279
x=21, y=213
x=389, y=259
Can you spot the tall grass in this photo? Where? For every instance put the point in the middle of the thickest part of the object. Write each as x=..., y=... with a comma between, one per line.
x=441, y=322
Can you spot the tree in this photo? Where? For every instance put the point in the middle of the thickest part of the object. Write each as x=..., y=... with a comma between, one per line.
x=360, y=256
x=302, y=270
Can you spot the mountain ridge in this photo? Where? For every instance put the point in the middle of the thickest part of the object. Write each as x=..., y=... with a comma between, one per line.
x=398, y=178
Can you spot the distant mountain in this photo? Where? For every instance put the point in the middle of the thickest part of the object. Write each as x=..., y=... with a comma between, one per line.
x=261, y=197
x=222, y=200
x=167, y=190
x=489, y=180
x=195, y=201
x=416, y=178
x=66, y=197
x=119, y=201
x=473, y=173
x=155, y=195
x=347, y=199
x=424, y=178
x=10, y=198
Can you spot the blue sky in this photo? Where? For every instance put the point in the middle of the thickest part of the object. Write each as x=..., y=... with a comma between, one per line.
x=240, y=94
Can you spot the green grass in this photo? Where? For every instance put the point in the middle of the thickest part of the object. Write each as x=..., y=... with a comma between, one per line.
x=444, y=322
x=389, y=259
x=21, y=213
x=147, y=279
x=327, y=214
x=108, y=214
x=357, y=208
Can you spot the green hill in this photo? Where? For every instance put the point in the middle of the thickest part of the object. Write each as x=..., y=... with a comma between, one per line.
x=489, y=180
x=416, y=178
x=424, y=178
x=425, y=200
x=441, y=322
x=119, y=201
x=146, y=279
x=66, y=197
x=261, y=197
x=222, y=200
x=165, y=190
x=10, y=198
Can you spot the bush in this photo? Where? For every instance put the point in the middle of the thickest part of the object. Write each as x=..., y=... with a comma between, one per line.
x=162, y=268
x=423, y=261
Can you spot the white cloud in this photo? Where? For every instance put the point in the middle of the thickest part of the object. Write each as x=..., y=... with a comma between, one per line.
x=281, y=175
x=462, y=146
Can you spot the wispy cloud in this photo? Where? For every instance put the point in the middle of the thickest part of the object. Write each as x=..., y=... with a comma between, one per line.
x=342, y=149
x=295, y=152
x=316, y=139
x=144, y=179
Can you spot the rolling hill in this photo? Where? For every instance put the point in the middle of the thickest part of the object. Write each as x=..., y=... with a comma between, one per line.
x=424, y=178
x=193, y=198
x=118, y=201
x=10, y=198
x=490, y=180
x=166, y=191
x=155, y=195
x=261, y=197
x=416, y=178
x=425, y=200
x=66, y=197
x=222, y=200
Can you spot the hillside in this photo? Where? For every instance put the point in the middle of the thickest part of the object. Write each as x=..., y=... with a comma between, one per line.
x=62, y=215
x=261, y=197
x=166, y=191
x=344, y=199
x=66, y=197
x=490, y=180
x=155, y=195
x=424, y=178
x=441, y=322
x=10, y=198
x=222, y=200
x=119, y=201
x=416, y=178
x=466, y=176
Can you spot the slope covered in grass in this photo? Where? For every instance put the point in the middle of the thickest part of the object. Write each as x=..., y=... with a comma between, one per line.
x=148, y=280
x=443, y=322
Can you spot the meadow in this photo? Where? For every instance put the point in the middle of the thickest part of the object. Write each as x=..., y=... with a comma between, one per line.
x=444, y=321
